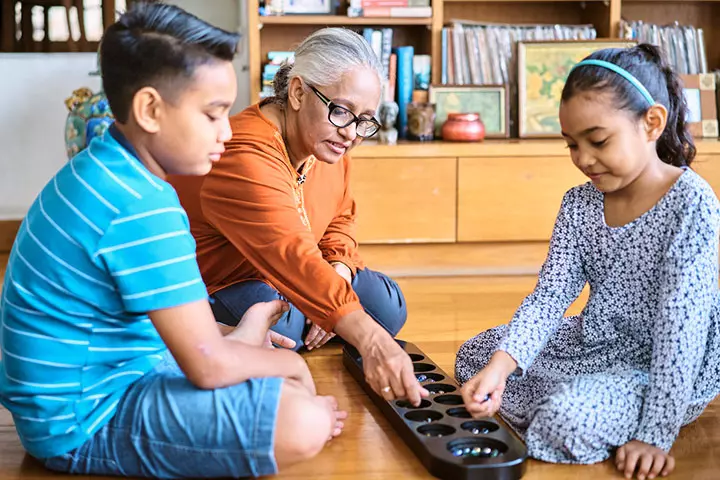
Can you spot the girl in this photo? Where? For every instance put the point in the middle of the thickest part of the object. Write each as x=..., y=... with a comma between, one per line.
x=642, y=358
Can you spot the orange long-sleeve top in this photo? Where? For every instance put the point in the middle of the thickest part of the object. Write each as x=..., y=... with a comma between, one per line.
x=255, y=217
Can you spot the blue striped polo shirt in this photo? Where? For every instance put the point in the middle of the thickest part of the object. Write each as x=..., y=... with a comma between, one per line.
x=105, y=242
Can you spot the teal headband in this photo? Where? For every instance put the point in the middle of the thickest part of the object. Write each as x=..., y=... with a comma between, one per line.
x=623, y=73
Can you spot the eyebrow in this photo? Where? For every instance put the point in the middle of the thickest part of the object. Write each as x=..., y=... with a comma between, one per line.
x=220, y=103
x=585, y=132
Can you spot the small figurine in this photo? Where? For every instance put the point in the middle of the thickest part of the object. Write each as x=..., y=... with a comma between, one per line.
x=388, y=113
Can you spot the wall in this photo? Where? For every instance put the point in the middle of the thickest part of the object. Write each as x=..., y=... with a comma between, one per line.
x=33, y=88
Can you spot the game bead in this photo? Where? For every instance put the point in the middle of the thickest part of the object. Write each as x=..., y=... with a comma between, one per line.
x=440, y=431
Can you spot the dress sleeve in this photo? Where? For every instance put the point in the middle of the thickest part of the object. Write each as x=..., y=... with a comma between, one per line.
x=688, y=293
x=560, y=281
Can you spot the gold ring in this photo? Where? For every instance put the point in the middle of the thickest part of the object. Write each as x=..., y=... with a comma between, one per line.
x=386, y=389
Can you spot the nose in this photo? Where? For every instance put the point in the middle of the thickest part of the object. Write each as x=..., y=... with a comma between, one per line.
x=349, y=132
x=583, y=159
x=225, y=130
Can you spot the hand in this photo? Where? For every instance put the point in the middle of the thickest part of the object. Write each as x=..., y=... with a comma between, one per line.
x=254, y=325
x=317, y=337
x=274, y=338
x=389, y=370
x=482, y=394
x=649, y=460
x=344, y=271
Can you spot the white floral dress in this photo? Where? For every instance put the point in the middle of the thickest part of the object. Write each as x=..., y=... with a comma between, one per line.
x=643, y=357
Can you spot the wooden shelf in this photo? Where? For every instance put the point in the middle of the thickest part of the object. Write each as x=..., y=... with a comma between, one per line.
x=490, y=148
x=532, y=1
x=340, y=20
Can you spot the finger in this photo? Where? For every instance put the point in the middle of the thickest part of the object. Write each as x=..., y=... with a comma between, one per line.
x=312, y=334
x=657, y=466
x=669, y=466
x=631, y=462
x=320, y=339
x=281, y=340
x=620, y=458
x=384, y=389
x=645, y=464
x=414, y=391
x=326, y=338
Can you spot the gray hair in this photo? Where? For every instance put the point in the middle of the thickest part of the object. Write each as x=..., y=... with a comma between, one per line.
x=324, y=57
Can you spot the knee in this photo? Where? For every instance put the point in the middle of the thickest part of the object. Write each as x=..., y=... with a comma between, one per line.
x=304, y=425
x=564, y=429
x=475, y=353
x=382, y=298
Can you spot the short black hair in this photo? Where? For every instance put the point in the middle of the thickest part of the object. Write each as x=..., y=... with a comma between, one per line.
x=646, y=63
x=158, y=45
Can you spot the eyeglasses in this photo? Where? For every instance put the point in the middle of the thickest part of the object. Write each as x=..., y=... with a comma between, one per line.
x=341, y=117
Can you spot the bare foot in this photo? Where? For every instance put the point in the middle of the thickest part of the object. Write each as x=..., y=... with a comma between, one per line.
x=254, y=325
x=340, y=415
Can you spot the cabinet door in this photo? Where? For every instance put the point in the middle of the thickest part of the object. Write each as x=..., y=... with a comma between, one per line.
x=512, y=198
x=708, y=167
x=405, y=200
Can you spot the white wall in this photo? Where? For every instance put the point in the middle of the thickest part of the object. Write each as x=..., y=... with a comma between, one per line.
x=33, y=89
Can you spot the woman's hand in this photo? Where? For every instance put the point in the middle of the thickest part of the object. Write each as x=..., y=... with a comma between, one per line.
x=649, y=460
x=389, y=370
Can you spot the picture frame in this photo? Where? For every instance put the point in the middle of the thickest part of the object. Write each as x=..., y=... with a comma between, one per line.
x=490, y=101
x=307, y=7
x=543, y=67
x=699, y=90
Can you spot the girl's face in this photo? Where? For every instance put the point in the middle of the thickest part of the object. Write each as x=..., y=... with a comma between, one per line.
x=610, y=146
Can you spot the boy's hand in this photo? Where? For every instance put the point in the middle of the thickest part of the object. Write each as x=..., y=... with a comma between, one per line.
x=649, y=460
x=254, y=325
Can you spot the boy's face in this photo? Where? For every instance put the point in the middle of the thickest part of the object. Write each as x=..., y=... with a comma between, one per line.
x=192, y=129
x=606, y=144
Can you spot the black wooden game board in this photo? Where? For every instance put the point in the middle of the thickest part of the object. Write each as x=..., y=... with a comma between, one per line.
x=441, y=432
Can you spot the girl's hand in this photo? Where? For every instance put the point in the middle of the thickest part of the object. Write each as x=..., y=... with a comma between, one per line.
x=482, y=394
x=649, y=460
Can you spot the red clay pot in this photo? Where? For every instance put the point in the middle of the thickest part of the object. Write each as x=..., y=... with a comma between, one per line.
x=463, y=127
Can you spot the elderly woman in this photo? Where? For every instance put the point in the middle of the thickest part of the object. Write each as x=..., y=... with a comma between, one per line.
x=276, y=217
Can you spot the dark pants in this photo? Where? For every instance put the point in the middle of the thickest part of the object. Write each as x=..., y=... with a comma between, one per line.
x=380, y=296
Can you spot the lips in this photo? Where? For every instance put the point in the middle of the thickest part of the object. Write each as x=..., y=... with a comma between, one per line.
x=338, y=147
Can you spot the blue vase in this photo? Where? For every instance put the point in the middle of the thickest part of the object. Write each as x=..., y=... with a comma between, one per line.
x=89, y=116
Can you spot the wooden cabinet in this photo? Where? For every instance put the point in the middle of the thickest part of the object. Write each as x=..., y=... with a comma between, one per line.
x=512, y=198
x=404, y=200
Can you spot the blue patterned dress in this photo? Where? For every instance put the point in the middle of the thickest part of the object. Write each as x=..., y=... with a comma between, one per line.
x=643, y=357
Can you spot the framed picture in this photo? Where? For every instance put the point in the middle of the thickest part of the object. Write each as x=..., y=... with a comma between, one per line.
x=307, y=7
x=543, y=67
x=490, y=101
x=702, y=110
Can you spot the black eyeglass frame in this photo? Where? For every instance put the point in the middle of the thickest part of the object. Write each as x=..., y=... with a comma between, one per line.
x=355, y=119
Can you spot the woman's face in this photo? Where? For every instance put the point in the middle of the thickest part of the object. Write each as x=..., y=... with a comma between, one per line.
x=358, y=91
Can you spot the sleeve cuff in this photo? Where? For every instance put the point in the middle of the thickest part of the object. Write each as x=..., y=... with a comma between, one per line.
x=655, y=439
x=344, y=260
x=517, y=354
x=328, y=323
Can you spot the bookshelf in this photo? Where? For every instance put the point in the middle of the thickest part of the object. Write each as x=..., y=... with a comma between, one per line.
x=444, y=198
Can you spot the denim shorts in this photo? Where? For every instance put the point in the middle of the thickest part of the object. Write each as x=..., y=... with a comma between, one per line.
x=167, y=428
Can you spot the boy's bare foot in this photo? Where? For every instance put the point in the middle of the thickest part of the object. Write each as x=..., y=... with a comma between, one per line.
x=339, y=415
x=254, y=326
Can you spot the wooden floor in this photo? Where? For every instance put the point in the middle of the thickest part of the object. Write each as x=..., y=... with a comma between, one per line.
x=443, y=313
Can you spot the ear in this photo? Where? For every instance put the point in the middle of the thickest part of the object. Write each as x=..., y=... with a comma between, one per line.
x=296, y=93
x=147, y=106
x=655, y=121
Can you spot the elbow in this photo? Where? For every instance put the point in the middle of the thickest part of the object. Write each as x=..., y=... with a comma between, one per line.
x=209, y=373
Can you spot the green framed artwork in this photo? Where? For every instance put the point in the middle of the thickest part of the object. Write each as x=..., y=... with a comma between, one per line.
x=490, y=101
x=543, y=67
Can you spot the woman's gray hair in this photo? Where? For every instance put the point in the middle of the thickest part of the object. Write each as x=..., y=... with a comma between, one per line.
x=324, y=57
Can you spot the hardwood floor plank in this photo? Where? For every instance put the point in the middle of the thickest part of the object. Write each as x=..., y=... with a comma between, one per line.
x=444, y=312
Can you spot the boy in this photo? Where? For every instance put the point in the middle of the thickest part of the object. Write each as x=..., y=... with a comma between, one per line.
x=102, y=281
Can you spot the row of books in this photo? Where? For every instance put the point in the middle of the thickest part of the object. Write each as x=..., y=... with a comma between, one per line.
x=485, y=54
x=683, y=46
x=389, y=8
